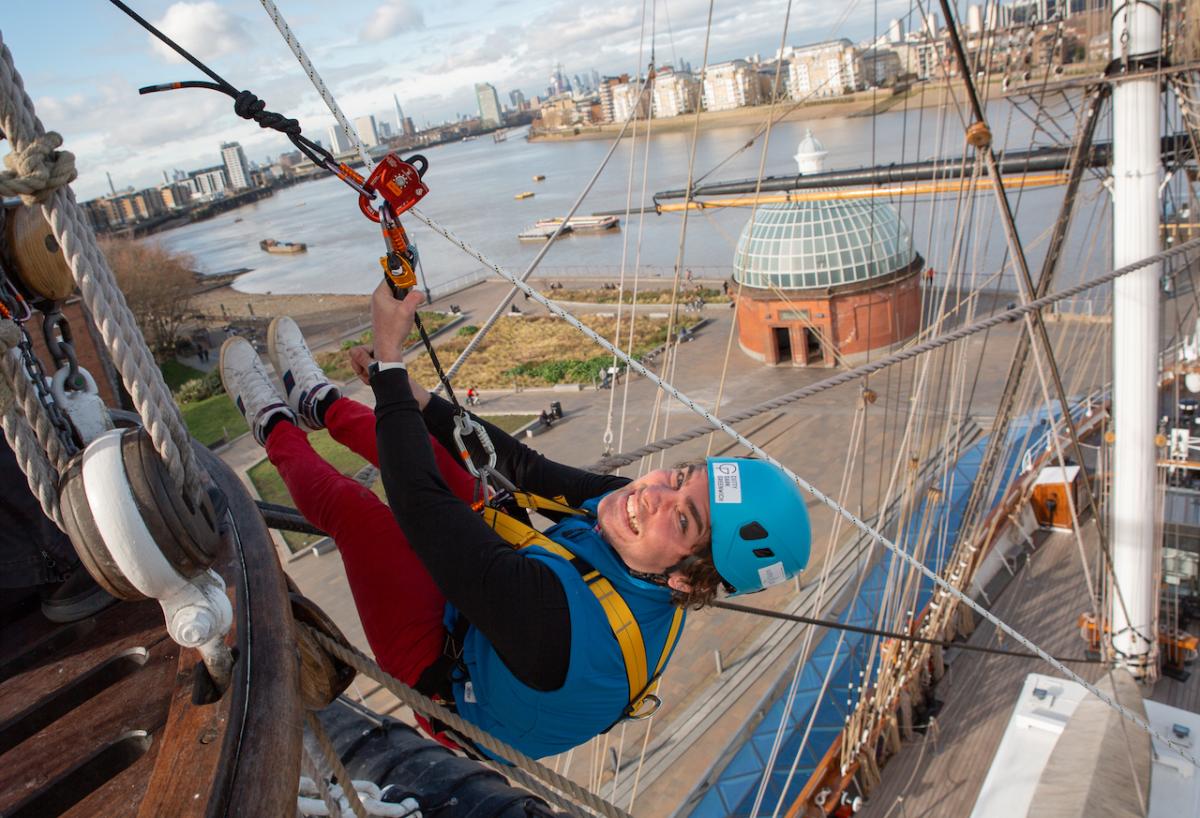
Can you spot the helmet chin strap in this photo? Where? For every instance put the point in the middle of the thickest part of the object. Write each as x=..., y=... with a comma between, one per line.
x=663, y=576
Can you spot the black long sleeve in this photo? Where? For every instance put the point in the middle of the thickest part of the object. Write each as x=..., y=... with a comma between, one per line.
x=518, y=603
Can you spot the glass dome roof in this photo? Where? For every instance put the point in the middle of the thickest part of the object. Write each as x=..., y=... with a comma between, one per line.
x=803, y=245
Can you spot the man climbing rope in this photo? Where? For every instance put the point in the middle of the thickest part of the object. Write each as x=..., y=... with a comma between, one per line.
x=522, y=641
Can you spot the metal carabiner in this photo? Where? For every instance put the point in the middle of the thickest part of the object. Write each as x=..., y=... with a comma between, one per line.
x=636, y=712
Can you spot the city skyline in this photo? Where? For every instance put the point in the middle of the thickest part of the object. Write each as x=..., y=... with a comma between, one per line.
x=111, y=128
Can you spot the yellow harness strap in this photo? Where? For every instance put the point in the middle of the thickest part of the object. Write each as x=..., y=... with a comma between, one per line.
x=620, y=618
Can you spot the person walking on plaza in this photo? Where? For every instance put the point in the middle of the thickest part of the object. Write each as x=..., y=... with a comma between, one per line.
x=517, y=640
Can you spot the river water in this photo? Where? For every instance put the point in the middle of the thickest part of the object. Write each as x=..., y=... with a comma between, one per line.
x=472, y=185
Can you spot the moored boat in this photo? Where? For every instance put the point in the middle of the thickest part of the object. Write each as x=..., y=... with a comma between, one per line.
x=525, y=194
x=283, y=247
x=540, y=232
x=587, y=223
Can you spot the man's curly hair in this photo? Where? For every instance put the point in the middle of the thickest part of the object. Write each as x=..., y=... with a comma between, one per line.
x=698, y=569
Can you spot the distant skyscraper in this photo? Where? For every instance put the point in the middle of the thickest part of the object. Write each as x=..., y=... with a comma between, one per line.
x=236, y=169
x=517, y=99
x=367, y=132
x=489, y=105
x=558, y=83
x=338, y=141
x=385, y=130
x=403, y=124
x=895, y=31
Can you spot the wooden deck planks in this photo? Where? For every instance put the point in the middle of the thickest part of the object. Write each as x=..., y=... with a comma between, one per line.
x=980, y=690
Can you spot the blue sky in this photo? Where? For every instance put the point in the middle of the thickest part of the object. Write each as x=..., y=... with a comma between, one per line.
x=83, y=60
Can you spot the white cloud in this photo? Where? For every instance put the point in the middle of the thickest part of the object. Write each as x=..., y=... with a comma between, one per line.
x=392, y=18
x=204, y=28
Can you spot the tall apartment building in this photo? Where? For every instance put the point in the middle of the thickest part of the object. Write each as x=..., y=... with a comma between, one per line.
x=338, y=141
x=367, y=132
x=139, y=206
x=625, y=97
x=237, y=169
x=103, y=214
x=827, y=69
x=207, y=183
x=605, y=88
x=730, y=85
x=175, y=195
x=675, y=93
x=489, y=105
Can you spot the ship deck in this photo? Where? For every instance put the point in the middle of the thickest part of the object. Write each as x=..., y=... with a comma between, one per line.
x=940, y=772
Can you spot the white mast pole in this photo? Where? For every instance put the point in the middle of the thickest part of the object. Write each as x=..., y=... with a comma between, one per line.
x=1136, y=170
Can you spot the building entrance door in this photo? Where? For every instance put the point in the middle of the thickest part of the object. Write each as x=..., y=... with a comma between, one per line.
x=783, y=344
x=813, y=354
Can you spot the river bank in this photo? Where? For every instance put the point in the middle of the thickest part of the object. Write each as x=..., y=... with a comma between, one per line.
x=931, y=94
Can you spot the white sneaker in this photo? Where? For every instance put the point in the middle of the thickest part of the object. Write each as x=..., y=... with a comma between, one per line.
x=304, y=382
x=249, y=386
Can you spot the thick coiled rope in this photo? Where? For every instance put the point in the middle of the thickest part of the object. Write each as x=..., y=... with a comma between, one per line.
x=37, y=169
x=103, y=298
x=27, y=426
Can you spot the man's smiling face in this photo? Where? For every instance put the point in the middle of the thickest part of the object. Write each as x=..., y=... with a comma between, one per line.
x=659, y=519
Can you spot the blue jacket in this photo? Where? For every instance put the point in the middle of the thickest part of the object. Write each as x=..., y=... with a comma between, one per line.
x=596, y=691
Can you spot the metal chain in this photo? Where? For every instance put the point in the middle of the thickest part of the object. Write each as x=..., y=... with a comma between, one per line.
x=37, y=377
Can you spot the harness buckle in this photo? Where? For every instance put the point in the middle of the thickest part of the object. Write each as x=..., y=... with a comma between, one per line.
x=638, y=711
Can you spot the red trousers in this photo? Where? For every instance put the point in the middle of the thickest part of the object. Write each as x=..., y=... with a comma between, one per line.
x=400, y=606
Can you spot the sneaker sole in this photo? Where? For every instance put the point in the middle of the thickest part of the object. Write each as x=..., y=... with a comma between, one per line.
x=221, y=362
x=272, y=352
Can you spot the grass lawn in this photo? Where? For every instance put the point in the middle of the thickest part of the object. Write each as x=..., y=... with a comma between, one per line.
x=337, y=364
x=177, y=374
x=539, y=351
x=509, y=423
x=214, y=418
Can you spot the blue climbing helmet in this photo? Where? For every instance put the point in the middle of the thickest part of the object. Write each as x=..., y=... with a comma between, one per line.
x=760, y=530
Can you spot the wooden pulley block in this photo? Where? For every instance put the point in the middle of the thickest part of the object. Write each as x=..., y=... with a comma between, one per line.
x=41, y=267
x=322, y=677
x=133, y=529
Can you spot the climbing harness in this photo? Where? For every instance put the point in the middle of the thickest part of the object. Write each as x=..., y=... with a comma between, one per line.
x=643, y=701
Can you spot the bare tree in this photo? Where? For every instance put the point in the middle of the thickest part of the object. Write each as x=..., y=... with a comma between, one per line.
x=158, y=285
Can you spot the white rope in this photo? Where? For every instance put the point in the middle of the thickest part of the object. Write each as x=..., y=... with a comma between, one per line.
x=37, y=169
x=42, y=478
x=102, y=297
x=720, y=425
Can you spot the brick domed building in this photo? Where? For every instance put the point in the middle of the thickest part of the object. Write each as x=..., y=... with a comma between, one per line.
x=825, y=279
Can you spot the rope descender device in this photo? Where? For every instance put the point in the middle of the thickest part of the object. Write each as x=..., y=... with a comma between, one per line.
x=400, y=184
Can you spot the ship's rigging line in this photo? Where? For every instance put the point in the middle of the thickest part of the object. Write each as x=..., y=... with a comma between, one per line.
x=637, y=273
x=762, y=165
x=882, y=693
x=1029, y=307
x=1040, y=344
x=899, y=636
